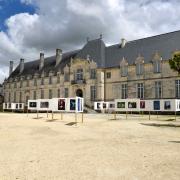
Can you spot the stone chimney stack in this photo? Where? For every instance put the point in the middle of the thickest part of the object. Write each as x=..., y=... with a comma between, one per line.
x=21, y=65
x=10, y=67
x=41, y=63
x=123, y=43
x=58, y=56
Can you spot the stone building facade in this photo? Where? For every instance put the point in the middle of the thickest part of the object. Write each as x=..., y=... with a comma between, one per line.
x=134, y=69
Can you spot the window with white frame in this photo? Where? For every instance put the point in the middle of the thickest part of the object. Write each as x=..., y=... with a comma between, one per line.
x=34, y=95
x=93, y=93
x=158, y=89
x=124, y=91
x=139, y=68
x=177, y=88
x=42, y=94
x=50, y=94
x=124, y=70
x=58, y=93
x=108, y=75
x=42, y=81
x=157, y=66
x=66, y=92
x=93, y=73
x=14, y=97
x=79, y=74
x=140, y=90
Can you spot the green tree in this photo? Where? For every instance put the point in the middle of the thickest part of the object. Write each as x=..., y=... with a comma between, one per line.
x=174, y=63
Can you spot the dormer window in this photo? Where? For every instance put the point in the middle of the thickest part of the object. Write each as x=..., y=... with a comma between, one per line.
x=66, y=76
x=93, y=73
x=139, y=68
x=124, y=70
x=157, y=63
x=50, y=79
x=157, y=66
x=42, y=81
x=124, y=67
x=35, y=82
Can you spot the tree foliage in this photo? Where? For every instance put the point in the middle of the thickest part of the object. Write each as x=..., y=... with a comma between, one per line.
x=174, y=63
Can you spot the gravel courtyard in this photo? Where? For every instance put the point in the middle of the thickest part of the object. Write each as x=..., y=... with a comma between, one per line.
x=99, y=149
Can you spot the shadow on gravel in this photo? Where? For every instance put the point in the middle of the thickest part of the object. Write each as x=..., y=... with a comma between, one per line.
x=52, y=120
x=71, y=124
x=161, y=125
x=174, y=141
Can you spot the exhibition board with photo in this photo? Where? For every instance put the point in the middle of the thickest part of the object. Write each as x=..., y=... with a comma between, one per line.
x=13, y=106
x=134, y=105
x=75, y=104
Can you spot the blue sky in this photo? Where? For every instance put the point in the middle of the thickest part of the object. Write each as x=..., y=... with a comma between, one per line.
x=28, y=27
x=9, y=8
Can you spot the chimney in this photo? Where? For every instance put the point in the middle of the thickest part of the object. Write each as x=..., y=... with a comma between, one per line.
x=10, y=67
x=41, y=63
x=123, y=43
x=21, y=65
x=58, y=56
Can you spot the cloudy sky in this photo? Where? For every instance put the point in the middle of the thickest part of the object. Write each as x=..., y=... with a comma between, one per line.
x=28, y=27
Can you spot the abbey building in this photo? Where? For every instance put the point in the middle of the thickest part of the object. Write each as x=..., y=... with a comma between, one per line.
x=134, y=69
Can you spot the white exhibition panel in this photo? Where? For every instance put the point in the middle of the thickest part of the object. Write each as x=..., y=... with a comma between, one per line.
x=101, y=105
x=111, y=105
x=127, y=104
x=168, y=105
x=43, y=104
x=79, y=104
x=177, y=104
x=32, y=104
x=58, y=104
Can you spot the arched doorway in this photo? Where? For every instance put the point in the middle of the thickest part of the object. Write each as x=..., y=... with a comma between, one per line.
x=79, y=93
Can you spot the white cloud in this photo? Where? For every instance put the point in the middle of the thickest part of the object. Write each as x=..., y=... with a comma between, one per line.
x=67, y=23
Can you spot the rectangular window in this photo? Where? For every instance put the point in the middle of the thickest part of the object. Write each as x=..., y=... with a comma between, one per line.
x=58, y=79
x=15, y=85
x=124, y=90
x=27, y=83
x=42, y=81
x=93, y=73
x=66, y=77
x=42, y=94
x=177, y=87
x=158, y=89
x=108, y=75
x=21, y=84
x=50, y=94
x=93, y=93
x=58, y=93
x=14, y=97
x=20, y=97
x=139, y=68
x=157, y=66
x=35, y=82
x=79, y=74
x=50, y=79
x=124, y=71
x=34, y=95
x=9, y=98
x=140, y=90
x=66, y=92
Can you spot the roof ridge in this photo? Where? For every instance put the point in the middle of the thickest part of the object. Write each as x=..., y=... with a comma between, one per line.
x=146, y=38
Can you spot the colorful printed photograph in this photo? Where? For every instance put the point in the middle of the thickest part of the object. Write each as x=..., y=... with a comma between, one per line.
x=167, y=105
x=132, y=105
x=98, y=105
x=20, y=106
x=104, y=105
x=156, y=105
x=111, y=105
x=72, y=104
x=142, y=104
x=44, y=104
x=61, y=104
x=121, y=105
x=33, y=104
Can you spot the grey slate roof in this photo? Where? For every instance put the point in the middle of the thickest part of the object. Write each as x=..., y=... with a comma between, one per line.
x=110, y=56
